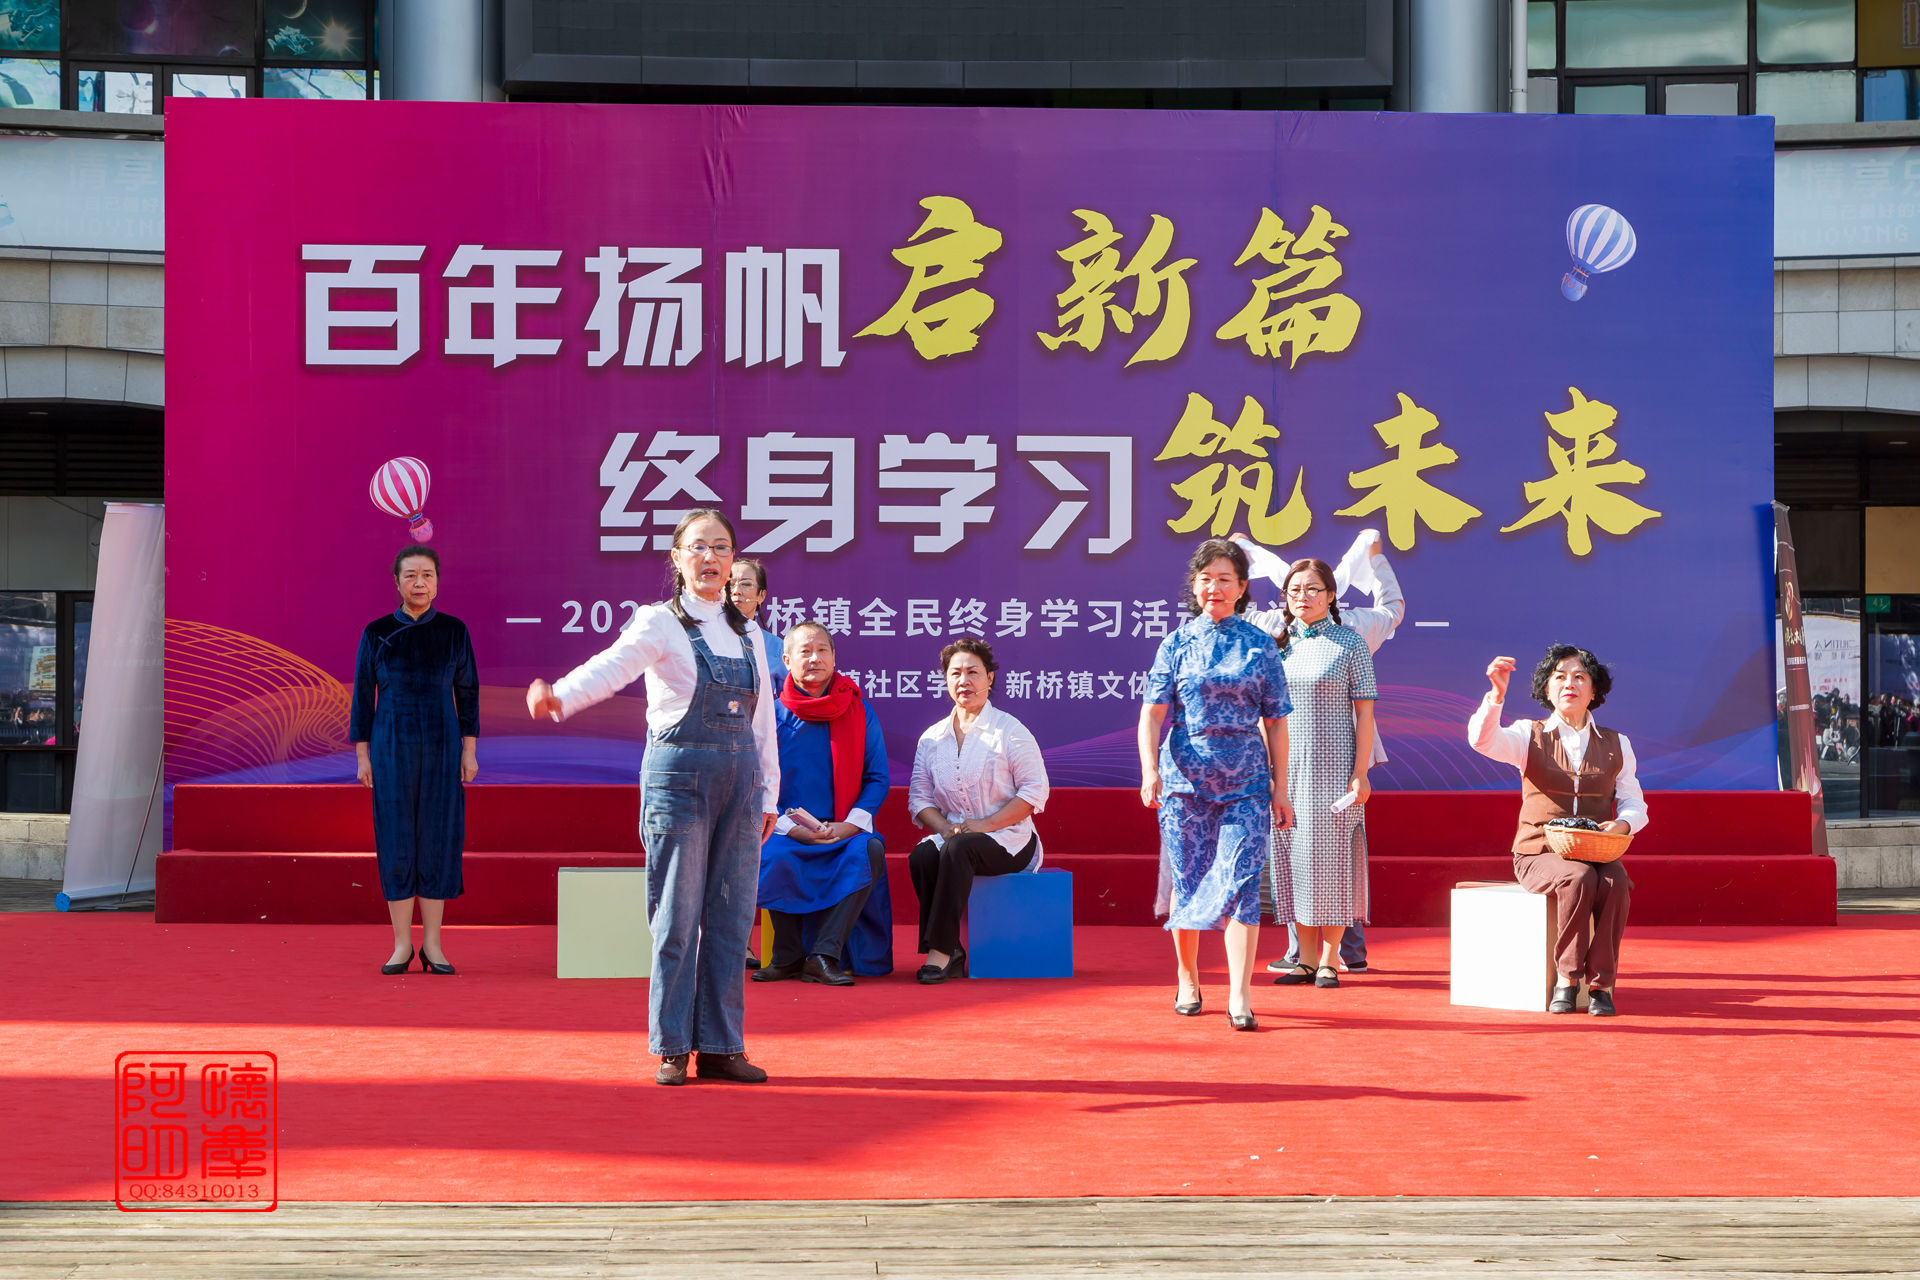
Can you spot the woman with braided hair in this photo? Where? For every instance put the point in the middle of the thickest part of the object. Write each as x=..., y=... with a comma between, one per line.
x=709, y=792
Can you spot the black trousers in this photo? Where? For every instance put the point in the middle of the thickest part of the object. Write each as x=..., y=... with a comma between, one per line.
x=835, y=923
x=943, y=877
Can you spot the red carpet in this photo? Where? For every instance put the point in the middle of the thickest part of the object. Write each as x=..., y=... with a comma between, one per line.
x=1748, y=1061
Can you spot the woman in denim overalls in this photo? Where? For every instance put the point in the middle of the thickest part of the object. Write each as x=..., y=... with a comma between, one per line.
x=709, y=791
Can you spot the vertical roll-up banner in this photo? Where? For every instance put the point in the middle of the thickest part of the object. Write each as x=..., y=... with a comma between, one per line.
x=1802, y=765
x=115, y=834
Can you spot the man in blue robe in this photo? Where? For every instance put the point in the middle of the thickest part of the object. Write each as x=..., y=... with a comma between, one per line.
x=826, y=884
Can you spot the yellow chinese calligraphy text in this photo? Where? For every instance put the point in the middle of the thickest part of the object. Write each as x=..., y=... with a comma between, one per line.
x=1086, y=304
x=949, y=325
x=1577, y=487
x=1269, y=324
x=1397, y=486
x=1215, y=493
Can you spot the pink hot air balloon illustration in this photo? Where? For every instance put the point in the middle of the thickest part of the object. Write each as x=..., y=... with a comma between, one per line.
x=400, y=489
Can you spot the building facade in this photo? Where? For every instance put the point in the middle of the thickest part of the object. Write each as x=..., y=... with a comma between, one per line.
x=81, y=260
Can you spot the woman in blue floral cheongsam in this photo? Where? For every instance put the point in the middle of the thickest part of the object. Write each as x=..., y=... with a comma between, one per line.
x=1220, y=778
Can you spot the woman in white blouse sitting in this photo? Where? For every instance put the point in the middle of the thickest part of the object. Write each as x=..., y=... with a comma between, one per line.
x=978, y=779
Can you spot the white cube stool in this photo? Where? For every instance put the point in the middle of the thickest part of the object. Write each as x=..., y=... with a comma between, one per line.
x=603, y=923
x=1502, y=948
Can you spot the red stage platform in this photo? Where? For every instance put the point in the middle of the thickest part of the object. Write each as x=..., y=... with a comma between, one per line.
x=303, y=855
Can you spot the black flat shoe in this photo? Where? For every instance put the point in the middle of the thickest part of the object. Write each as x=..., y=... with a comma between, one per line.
x=391, y=969
x=1187, y=1008
x=1563, y=999
x=753, y=961
x=1600, y=1003
x=933, y=975
x=1242, y=1022
x=1328, y=976
x=1298, y=978
x=428, y=966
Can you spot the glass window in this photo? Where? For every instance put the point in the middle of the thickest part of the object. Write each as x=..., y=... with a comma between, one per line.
x=125, y=92
x=82, y=641
x=1892, y=719
x=1805, y=30
x=316, y=31
x=30, y=82
x=1719, y=98
x=176, y=28
x=291, y=82
x=1804, y=97
x=29, y=668
x=1541, y=30
x=1890, y=95
x=1656, y=33
x=1832, y=625
x=31, y=782
x=201, y=84
x=30, y=24
x=1543, y=94
x=1610, y=99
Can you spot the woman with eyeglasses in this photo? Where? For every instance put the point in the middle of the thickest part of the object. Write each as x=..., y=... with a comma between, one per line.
x=1320, y=862
x=709, y=794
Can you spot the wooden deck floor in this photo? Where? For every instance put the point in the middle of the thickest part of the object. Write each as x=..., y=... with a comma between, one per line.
x=1161, y=1237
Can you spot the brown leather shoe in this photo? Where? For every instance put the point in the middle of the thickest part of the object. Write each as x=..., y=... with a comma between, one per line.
x=728, y=1066
x=672, y=1070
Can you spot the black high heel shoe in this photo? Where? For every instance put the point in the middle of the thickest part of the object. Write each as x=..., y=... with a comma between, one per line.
x=1243, y=1021
x=930, y=976
x=392, y=969
x=1187, y=1008
x=428, y=966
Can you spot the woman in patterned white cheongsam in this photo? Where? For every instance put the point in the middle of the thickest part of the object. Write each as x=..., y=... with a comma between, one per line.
x=1320, y=863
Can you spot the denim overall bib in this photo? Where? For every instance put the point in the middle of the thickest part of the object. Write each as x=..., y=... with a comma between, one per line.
x=700, y=824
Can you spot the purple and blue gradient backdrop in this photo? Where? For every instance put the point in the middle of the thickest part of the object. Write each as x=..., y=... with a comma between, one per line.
x=1455, y=254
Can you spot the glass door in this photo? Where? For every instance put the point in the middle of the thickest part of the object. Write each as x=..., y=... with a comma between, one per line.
x=1890, y=774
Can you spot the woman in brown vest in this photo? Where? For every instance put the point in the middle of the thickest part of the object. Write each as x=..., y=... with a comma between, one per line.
x=1569, y=768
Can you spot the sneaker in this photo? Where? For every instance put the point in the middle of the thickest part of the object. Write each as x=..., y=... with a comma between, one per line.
x=1281, y=966
x=728, y=1066
x=672, y=1070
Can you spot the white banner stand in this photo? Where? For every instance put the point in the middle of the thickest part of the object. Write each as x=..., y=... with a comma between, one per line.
x=114, y=837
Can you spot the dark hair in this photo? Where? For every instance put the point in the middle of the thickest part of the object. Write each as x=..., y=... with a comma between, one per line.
x=735, y=619
x=759, y=570
x=1205, y=554
x=969, y=644
x=1559, y=653
x=409, y=552
x=1325, y=574
x=807, y=625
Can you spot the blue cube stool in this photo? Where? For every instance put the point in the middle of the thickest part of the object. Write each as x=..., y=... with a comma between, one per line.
x=1021, y=926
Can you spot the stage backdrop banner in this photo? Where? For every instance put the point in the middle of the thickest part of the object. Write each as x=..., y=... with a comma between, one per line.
x=966, y=372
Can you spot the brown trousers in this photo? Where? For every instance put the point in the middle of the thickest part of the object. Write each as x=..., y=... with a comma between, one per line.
x=1581, y=891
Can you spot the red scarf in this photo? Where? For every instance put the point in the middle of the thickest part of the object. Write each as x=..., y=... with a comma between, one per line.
x=845, y=712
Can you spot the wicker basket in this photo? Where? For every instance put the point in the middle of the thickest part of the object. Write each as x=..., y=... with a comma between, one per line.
x=1587, y=846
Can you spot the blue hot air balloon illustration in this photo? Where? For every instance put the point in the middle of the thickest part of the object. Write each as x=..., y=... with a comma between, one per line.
x=1599, y=240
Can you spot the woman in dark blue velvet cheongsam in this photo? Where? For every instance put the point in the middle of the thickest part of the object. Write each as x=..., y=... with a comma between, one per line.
x=414, y=726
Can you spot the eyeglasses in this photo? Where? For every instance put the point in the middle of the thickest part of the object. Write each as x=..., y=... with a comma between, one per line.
x=698, y=549
x=1315, y=590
